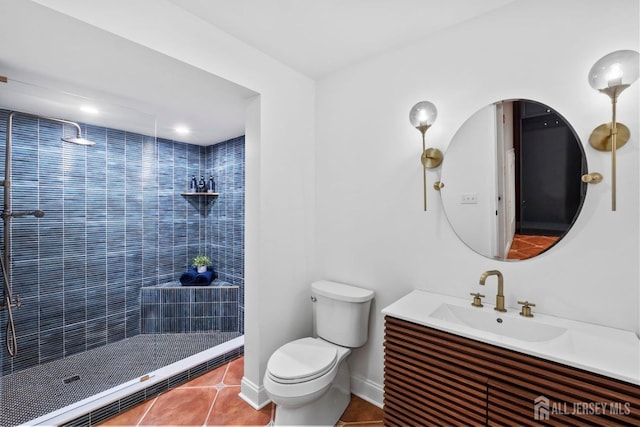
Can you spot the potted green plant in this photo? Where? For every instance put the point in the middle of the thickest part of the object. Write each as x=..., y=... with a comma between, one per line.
x=201, y=262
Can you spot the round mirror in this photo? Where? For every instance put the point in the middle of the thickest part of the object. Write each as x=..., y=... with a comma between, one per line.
x=512, y=179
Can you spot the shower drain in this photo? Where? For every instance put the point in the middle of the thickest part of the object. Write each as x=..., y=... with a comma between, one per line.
x=71, y=379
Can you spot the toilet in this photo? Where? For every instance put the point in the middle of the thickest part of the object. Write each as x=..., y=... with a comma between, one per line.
x=308, y=379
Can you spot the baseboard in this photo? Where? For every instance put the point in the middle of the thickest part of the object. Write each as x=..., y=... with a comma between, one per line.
x=254, y=395
x=367, y=390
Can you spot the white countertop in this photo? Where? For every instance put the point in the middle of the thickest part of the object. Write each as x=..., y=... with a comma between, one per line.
x=607, y=351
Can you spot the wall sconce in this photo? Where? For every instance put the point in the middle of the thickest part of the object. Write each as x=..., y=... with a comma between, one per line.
x=422, y=116
x=610, y=75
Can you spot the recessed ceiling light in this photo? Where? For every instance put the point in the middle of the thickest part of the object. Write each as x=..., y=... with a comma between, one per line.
x=89, y=109
x=182, y=130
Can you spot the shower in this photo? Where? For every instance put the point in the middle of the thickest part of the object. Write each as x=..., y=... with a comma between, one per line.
x=89, y=280
x=7, y=215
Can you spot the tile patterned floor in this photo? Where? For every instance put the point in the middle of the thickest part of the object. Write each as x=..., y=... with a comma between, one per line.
x=527, y=246
x=212, y=400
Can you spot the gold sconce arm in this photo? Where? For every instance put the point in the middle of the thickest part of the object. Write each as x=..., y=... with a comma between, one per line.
x=431, y=158
x=610, y=137
x=424, y=169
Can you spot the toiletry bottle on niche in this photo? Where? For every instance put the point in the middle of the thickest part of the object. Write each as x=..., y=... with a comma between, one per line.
x=212, y=184
x=193, y=184
x=202, y=185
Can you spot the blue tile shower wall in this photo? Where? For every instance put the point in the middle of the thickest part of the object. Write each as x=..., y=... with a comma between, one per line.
x=225, y=233
x=114, y=221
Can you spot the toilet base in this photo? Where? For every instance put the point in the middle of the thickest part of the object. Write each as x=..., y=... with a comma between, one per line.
x=324, y=411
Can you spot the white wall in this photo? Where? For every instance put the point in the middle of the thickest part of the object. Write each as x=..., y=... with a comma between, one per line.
x=371, y=230
x=280, y=168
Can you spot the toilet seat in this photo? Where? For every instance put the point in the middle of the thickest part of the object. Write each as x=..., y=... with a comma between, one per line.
x=302, y=360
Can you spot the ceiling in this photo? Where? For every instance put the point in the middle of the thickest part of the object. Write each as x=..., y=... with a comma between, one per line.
x=318, y=37
x=54, y=62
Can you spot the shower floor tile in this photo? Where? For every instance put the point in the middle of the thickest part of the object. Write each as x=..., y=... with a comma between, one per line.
x=63, y=382
x=212, y=400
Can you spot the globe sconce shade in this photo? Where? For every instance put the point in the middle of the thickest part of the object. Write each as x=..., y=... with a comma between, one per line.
x=422, y=116
x=615, y=72
x=610, y=75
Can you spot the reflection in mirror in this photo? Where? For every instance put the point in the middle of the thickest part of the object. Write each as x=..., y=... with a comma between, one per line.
x=512, y=176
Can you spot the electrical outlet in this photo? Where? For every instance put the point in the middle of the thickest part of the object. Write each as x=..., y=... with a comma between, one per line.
x=469, y=198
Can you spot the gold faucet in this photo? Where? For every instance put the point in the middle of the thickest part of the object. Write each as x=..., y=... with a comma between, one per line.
x=500, y=297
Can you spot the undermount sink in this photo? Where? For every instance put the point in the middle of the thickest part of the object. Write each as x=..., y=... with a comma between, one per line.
x=524, y=329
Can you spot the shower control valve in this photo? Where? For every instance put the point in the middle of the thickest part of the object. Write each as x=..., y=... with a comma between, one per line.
x=16, y=303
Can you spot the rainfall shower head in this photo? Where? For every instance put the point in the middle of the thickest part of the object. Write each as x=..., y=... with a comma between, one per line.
x=78, y=140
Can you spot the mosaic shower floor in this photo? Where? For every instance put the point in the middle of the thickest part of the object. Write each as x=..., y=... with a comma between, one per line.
x=37, y=391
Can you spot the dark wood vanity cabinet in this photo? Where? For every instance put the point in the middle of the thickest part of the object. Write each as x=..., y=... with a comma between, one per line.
x=436, y=378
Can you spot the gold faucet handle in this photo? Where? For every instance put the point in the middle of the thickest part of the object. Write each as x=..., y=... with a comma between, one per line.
x=477, y=301
x=526, y=308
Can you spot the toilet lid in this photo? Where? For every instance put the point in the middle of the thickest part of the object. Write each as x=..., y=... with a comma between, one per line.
x=302, y=360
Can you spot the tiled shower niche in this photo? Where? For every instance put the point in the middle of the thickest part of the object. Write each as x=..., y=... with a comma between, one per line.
x=115, y=222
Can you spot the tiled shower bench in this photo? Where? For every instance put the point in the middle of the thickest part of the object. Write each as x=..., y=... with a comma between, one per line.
x=172, y=308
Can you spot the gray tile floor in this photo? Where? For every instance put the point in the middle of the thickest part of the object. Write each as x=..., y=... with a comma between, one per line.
x=37, y=391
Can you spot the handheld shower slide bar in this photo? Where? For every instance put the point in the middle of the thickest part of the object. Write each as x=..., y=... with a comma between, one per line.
x=7, y=215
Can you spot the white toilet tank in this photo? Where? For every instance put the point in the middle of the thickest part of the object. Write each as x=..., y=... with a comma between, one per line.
x=341, y=312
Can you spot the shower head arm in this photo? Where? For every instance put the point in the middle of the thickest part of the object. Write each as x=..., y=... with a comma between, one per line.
x=53, y=119
x=7, y=169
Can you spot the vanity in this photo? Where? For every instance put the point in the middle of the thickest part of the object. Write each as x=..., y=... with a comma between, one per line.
x=447, y=362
